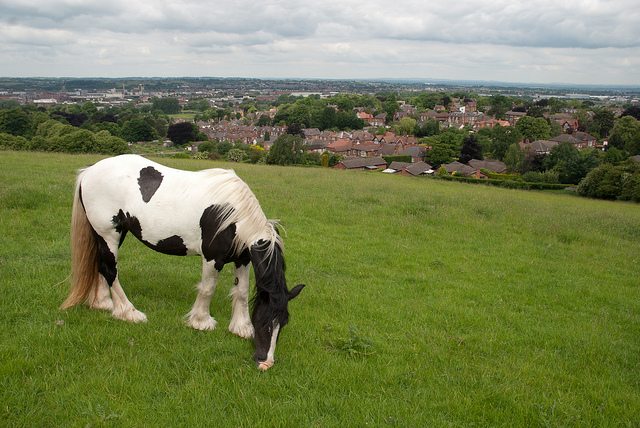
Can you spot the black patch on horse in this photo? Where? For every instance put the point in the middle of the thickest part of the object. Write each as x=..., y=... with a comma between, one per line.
x=173, y=245
x=125, y=222
x=149, y=181
x=271, y=299
x=107, y=265
x=217, y=244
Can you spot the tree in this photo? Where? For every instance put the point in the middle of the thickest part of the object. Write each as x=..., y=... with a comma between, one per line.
x=445, y=147
x=570, y=163
x=295, y=128
x=406, y=126
x=633, y=111
x=13, y=142
x=470, y=149
x=533, y=128
x=514, y=157
x=499, y=105
x=327, y=118
x=390, y=106
x=604, y=182
x=428, y=128
x=286, y=150
x=182, y=133
x=138, y=129
x=501, y=138
x=199, y=104
x=108, y=144
x=601, y=123
x=166, y=105
x=626, y=135
x=263, y=120
x=14, y=121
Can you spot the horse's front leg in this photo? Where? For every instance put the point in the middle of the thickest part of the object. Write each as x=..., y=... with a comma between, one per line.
x=240, y=321
x=199, y=316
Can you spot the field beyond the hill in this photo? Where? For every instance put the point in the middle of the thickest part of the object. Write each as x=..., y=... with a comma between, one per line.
x=428, y=303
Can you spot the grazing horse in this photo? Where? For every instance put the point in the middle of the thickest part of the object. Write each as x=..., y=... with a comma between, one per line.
x=211, y=213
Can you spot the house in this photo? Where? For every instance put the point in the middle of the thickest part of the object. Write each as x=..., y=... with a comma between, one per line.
x=457, y=168
x=365, y=150
x=397, y=167
x=567, y=121
x=341, y=146
x=379, y=120
x=363, y=115
x=540, y=147
x=418, y=168
x=416, y=152
x=514, y=116
x=490, y=123
x=565, y=138
x=492, y=165
x=311, y=133
x=581, y=140
x=316, y=147
x=585, y=140
x=362, y=163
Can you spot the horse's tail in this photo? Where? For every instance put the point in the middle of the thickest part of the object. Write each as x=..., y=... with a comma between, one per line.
x=84, y=255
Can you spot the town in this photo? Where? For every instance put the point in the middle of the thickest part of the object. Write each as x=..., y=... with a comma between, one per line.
x=504, y=133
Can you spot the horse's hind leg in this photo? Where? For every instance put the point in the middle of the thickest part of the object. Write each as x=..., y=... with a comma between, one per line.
x=103, y=299
x=199, y=316
x=122, y=308
x=240, y=320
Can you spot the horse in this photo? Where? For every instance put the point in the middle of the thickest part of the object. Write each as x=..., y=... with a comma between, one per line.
x=211, y=213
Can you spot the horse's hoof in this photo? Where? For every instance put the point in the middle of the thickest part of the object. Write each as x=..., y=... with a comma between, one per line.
x=131, y=315
x=265, y=365
x=202, y=323
x=245, y=331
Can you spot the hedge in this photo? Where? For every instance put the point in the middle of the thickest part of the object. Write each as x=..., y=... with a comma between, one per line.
x=509, y=184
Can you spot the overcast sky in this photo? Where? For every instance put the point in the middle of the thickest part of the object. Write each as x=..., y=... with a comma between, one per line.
x=542, y=41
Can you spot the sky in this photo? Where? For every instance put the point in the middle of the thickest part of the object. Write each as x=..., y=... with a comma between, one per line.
x=530, y=41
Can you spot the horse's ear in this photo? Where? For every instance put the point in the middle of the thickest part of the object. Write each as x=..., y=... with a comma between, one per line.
x=295, y=291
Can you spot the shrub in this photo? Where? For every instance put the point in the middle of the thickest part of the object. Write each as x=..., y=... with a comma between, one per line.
x=603, y=182
x=13, y=142
x=631, y=188
x=235, y=155
x=541, y=177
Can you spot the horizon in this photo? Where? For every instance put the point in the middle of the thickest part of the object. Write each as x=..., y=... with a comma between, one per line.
x=391, y=80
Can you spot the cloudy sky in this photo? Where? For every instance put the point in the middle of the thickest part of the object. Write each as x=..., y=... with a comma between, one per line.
x=542, y=41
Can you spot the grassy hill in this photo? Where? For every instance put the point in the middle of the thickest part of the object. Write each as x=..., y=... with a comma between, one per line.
x=428, y=303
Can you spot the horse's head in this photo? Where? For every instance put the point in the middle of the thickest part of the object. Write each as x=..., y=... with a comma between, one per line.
x=270, y=305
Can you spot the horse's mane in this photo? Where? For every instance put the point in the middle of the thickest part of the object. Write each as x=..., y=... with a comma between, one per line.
x=271, y=289
x=239, y=206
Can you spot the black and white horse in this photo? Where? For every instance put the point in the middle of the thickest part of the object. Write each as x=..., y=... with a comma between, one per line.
x=212, y=213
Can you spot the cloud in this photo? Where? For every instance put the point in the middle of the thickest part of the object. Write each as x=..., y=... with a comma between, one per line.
x=332, y=38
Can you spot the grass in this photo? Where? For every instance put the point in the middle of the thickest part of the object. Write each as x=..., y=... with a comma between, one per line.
x=428, y=303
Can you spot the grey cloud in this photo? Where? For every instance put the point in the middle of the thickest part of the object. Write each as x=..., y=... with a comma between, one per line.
x=336, y=38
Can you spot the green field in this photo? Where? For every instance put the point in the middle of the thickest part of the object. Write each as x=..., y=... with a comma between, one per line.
x=428, y=303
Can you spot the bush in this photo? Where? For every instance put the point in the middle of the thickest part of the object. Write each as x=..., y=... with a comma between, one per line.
x=12, y=142
x=235, y=155
x=631, y=188
x=541, y=177
x=603, y=182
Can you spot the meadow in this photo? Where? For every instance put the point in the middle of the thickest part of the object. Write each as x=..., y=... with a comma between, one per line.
x=428, y=303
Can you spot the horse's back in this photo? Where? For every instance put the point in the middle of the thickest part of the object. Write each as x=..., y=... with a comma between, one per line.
x=165, y=202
